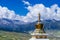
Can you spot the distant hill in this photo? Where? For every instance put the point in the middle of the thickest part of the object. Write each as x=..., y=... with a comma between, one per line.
x=20, y=26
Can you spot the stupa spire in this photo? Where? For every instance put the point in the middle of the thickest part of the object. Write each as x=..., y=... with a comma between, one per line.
x=39, y=25
x=39, y=17
x=39, y=33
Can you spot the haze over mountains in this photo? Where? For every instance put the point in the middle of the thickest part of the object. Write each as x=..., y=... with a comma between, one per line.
x=20, y=26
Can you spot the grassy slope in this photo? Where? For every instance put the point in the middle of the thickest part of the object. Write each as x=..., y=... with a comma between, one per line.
x=20, y=36
x=13, y=36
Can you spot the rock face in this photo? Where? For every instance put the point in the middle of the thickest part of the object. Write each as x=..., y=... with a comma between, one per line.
x=20, y=26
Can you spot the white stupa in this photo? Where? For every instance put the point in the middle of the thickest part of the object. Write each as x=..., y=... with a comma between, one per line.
x=39, y=33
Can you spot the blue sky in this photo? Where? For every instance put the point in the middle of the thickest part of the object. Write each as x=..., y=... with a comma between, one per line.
x=27, y=10
x=19, y=7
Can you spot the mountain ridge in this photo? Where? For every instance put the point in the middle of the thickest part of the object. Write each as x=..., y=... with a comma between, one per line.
x=20, y=26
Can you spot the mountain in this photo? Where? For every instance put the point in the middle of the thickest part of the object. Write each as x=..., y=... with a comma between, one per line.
x=52, y=24
x=10, y=25
x=20, y=26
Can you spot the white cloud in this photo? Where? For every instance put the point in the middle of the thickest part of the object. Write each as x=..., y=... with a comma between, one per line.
x=47, y=13
x=9, y=14
x=26, y=2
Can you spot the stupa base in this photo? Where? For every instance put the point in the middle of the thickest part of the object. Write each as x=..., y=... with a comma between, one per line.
x=37, y=39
